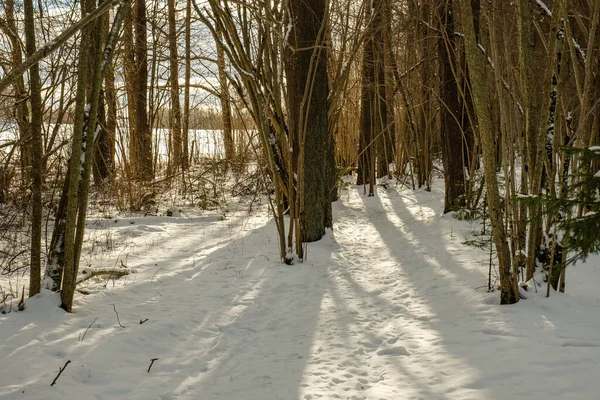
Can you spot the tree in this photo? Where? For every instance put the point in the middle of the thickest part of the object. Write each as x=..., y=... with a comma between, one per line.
x=37, y=154
x=10, y=29
x=175, y=110
x=509, y=292
x=307, y=84
x=142, y=142
x=225, y=105
x=451, y=130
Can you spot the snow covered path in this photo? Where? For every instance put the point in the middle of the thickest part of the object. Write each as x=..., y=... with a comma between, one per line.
x=385, y=308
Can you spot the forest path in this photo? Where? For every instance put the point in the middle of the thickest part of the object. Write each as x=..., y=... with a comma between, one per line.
x=386, y=307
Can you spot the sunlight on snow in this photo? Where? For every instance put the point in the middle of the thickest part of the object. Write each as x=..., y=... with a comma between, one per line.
x=377, y=334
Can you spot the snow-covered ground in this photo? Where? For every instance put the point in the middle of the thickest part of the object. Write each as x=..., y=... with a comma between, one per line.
x=391, y=305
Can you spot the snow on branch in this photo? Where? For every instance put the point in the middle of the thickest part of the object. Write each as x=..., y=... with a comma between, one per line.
x=544, y=7
x=89, y=273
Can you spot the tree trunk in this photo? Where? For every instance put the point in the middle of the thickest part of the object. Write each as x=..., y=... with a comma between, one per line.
x=509, y=293
x=186, y=95
x=225, y=106
x=69, y=267
x=367, y=108
x=129, y=74
x=451, y=131
x=36, y=147
x=307, y=84
x=175, y=114
x=143, y=136
x=9, y=26
x=104, y=149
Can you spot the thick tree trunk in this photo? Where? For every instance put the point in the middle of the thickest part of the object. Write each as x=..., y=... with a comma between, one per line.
x=451, y=131
x=307, y=86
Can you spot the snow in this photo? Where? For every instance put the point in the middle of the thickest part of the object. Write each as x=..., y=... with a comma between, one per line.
x=387, y=306
x=544, y=7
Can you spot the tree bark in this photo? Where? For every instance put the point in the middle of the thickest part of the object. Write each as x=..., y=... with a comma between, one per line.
x=451, y=131
x=143, y=136
x=175, y=112
x=228, y=141
x=307, y=84
x=186, y=94
x=509, y=293
x=35, y=274
x=9, y=26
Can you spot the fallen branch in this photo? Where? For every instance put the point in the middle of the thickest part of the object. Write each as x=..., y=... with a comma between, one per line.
x=151, y=363
x=89, y=273
x=60, y=371
x=143, y=320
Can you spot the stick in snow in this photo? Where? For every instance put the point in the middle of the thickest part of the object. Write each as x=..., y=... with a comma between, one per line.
x=60, y=371
x=151, y=363
x=118, y=320
x=88, y=328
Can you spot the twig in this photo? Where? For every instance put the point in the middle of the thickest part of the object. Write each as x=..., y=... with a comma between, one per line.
x=88, y=328
x=119, y=321
x=60, y=371
x=151, y=363
x=155, y=274
x=143, y=320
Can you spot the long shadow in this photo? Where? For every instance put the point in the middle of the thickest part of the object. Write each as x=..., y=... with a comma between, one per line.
x=470, y=330
x=431, y=288
x=234, y=323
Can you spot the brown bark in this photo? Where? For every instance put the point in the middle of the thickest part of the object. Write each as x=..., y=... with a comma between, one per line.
x=10, y=29
x=175, y=112
x=451, y=131
x=143, y=135
x=225, y=106
x=35, y=100
x=509, y=293
x=307, y=84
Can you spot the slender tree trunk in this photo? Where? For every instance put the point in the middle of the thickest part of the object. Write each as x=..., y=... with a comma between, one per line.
x=83, y=166
x=186, y=95
x=35, y=100
x=129, y=73
x=367, y=107
x=143, y=139
x=225, y=106
x=509, y=293
x=75, y=167
x=103, y=168
x=9, y=26
x=175, y=113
